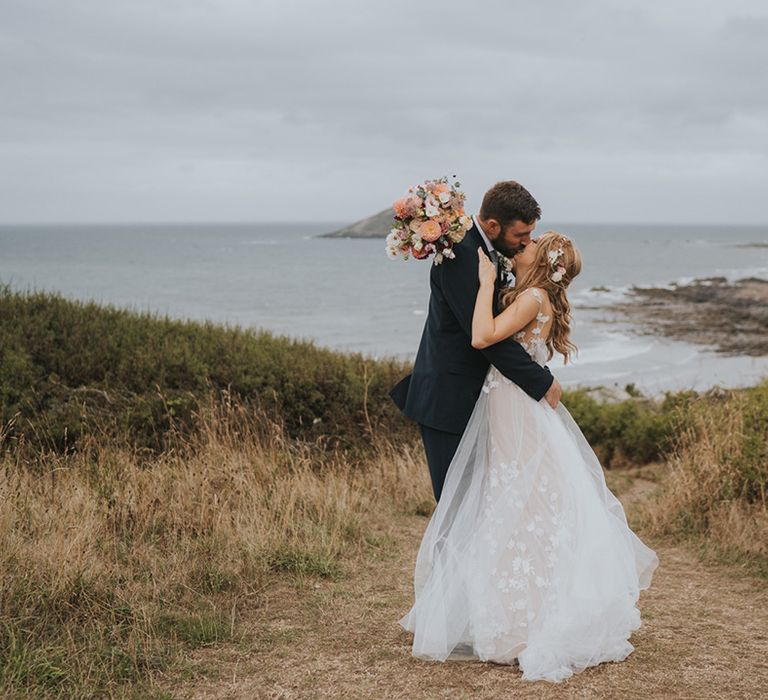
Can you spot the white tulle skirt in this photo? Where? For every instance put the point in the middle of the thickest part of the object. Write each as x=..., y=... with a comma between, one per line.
x=528, y=555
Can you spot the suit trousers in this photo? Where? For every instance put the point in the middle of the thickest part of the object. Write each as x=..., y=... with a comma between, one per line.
x=439, y=447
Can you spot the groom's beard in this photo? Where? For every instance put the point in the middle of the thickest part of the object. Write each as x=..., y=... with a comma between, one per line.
x=507, y=251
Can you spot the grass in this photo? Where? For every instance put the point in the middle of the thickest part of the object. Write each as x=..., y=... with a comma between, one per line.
x=715, y=492
x=159, y=478
x=73, y=369
x=115, y=565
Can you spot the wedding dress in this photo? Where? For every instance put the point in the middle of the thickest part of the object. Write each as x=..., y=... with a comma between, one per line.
x=528, y=555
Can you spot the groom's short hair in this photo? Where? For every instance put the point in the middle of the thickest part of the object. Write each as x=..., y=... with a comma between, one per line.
x=509, y=201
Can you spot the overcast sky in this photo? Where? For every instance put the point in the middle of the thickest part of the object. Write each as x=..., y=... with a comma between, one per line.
x=272, y=110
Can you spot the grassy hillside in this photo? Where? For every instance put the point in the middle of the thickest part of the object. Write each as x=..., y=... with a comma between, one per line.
x=157, y=476
x=71, y=368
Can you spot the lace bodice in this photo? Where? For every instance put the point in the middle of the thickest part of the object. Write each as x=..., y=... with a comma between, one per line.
x=531, y=339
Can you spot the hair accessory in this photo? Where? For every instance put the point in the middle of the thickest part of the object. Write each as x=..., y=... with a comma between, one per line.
x=559, y=270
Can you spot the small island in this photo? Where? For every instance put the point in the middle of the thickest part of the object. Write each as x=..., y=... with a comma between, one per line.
x=376, y=226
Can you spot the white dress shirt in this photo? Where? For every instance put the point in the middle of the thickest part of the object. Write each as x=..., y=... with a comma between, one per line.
x=488, y=245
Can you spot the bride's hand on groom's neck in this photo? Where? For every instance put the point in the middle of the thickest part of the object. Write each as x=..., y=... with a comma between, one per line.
x=486, y=270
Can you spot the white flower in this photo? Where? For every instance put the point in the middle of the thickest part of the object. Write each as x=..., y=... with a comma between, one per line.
x=431, y=210
x=553, y=256
x=556, y=276
x=444, y=197
x=391, y=252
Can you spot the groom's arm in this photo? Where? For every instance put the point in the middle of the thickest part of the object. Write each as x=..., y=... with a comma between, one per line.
x=459, y=283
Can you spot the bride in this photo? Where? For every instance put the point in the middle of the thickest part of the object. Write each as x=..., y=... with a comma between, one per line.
x=528, y=557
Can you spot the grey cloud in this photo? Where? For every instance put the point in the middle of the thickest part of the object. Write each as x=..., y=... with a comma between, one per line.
x=279, y=110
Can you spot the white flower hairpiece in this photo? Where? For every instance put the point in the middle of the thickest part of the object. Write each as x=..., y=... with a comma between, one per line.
x=559, y=270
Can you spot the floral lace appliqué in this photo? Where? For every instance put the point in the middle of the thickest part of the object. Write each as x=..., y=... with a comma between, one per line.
x=534, y=344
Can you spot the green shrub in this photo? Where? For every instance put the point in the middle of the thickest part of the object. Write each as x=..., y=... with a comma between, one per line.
x=70, y=368
x=73, y=369
x=637, y=430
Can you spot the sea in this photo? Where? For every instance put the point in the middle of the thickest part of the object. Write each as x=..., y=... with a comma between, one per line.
x=346, y=294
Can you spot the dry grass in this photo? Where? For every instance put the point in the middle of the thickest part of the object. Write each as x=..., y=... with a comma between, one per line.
x=241, y=565
x=715, y=492
x=703, y=637
x=115, y=566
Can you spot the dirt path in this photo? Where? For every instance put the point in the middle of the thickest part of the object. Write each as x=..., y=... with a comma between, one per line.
x=704, y=635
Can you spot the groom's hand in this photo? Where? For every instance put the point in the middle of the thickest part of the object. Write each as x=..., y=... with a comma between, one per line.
x=554, y=393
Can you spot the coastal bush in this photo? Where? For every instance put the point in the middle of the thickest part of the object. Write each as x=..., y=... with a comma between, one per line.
x=637, y=430
x=718, y=478
x=73, y=369
x=69, y=368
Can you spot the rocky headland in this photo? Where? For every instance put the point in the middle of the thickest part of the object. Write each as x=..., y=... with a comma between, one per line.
x=731, y=316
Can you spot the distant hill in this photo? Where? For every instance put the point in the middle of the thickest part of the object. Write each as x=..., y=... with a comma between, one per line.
x=376, y=226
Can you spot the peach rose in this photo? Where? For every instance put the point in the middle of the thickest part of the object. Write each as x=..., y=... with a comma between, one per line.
x=407, y=206
x=430, y=231
x=401, y=207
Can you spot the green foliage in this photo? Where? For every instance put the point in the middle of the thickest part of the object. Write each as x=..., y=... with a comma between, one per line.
x=753, y=461
x=638, y=430
x=715, y=491
x=36, y=639
x=70, y=368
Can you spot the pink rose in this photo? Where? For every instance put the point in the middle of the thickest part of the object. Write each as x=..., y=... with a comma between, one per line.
x=414, y=205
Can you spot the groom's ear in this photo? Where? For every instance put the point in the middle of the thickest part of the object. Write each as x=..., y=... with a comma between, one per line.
x=492, y=228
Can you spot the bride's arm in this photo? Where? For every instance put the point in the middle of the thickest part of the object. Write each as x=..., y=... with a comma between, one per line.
x=487, y=330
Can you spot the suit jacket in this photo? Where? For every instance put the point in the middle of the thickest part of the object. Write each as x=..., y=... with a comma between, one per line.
x=448, y=372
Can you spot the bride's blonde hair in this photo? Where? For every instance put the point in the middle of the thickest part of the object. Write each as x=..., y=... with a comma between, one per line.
x=557, y=262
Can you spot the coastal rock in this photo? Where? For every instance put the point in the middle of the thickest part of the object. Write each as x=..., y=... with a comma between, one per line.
x=376, y=226
x=730, y=317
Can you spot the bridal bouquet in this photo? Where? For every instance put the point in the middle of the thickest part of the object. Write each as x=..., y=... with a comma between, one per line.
x=429, y=220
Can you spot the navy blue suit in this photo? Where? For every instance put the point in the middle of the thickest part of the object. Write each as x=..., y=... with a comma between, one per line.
x=448, y=372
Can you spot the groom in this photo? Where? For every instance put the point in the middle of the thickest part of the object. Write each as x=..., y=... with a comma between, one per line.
x=448, y=373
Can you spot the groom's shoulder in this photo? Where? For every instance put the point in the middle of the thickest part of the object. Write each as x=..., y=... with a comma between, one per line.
x=464, y=262
x=468, y=245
